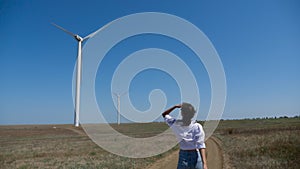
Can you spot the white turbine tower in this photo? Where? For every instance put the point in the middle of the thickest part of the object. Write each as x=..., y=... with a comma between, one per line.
x=119, y=104
x=78, y=74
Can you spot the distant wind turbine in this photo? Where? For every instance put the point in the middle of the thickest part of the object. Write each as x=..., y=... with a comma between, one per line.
x=119, y=104
x=78, y=75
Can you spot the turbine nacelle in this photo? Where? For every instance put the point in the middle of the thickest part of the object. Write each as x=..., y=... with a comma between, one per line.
x=78, y=38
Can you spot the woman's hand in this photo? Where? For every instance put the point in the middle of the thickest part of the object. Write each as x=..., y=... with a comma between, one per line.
x=205, y=166
x=170, y=110
x=178, y=105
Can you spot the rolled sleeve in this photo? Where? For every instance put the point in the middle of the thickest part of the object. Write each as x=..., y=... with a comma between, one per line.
x=169, y=120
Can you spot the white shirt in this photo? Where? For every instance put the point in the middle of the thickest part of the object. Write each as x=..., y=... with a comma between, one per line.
x=189, y=137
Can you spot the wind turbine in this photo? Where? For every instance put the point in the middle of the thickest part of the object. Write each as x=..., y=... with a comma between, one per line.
x=119, y=104
x=78, y=74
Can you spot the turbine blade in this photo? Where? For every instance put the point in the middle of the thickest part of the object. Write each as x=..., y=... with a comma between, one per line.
x=94, y=33
x=61, y=28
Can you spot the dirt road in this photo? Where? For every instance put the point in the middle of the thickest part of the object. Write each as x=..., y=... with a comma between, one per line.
x=214, y=157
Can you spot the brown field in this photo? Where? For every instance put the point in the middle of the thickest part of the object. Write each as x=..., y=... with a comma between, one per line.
x=271, y=143
x=64, y=146
x=264, y=143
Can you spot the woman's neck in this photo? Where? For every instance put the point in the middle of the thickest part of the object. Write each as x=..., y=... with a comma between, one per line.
x=186, y=122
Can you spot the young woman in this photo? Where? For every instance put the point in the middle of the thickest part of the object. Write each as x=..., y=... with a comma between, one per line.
x=190, y=135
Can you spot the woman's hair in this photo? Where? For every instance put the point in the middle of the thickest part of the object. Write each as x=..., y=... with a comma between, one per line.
x=187, y=110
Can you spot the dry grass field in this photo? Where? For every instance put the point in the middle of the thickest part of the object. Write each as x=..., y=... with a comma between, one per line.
x=264, y=143
x=271, y=143
x=59, y=146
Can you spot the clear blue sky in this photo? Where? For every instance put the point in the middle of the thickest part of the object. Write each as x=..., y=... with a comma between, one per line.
x=258, y=42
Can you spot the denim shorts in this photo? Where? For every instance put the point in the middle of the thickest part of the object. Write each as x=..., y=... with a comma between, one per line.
x=188, y=160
